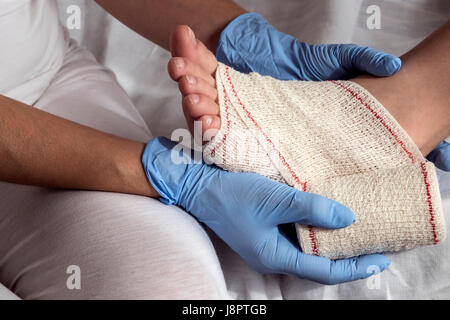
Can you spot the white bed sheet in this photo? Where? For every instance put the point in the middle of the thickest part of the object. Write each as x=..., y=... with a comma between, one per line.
x=141, y=69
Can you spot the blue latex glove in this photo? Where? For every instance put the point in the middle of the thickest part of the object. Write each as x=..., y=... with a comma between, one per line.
x=441, y=156
x=245, y=209
x=250, y=44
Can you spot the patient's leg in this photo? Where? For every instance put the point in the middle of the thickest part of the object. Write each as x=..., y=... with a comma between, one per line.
x=418, y=96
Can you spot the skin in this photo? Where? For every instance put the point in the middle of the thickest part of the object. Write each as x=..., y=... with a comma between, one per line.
x=39, y=149
x=206, y=18
x=418, y=96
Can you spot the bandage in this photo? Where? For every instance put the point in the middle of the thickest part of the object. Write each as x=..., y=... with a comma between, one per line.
x=335, y=139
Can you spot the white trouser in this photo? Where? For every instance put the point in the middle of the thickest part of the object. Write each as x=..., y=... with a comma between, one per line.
x=125, y=246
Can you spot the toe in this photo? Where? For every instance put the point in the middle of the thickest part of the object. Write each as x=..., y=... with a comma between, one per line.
x=210, y=126
x=199, y=105
x=179, y=67
x=190, y=84
x=210, y=123
x=184, y=44
x=182, y=41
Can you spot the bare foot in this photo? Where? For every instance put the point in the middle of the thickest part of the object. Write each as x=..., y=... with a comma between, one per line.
x=193, y=66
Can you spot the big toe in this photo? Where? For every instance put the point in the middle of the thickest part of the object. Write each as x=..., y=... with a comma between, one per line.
x=183, y=43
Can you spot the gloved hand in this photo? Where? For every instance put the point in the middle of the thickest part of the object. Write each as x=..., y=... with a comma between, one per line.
x=245, y=209
x=250, y=44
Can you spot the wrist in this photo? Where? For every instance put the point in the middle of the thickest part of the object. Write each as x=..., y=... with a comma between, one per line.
x=130, y=172
x=165, y=177
x=173, y=172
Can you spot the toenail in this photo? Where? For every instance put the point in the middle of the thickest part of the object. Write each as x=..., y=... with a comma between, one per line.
x=191, y=33
x=179, y=63
x=192, y=36
x=208, y=121
x=191, y=79
x=194, y=99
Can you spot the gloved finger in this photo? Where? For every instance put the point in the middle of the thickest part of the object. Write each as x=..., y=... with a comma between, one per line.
x=440, y=156
x=338, y=271
x=328, y=271
x=365, y=59
x=288, y=259
x=312, y=209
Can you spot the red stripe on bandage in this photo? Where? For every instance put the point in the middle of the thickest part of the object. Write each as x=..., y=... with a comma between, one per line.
x=312, y=235
x=410, y=156
x=430, y=204
x=378, y=117
x=266, y=137
x=227, y=112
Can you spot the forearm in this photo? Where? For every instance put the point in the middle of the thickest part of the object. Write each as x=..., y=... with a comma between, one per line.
x=156, y=19
x=38, y=148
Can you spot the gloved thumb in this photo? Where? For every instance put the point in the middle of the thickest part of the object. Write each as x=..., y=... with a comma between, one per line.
x=288, y=259
x=332, y=272
x=314, y=210
x=374, y=62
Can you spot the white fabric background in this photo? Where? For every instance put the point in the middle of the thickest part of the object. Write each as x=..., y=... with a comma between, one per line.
x=141, y=69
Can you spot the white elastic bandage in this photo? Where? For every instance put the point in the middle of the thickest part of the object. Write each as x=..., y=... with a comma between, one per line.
x=335, y=139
